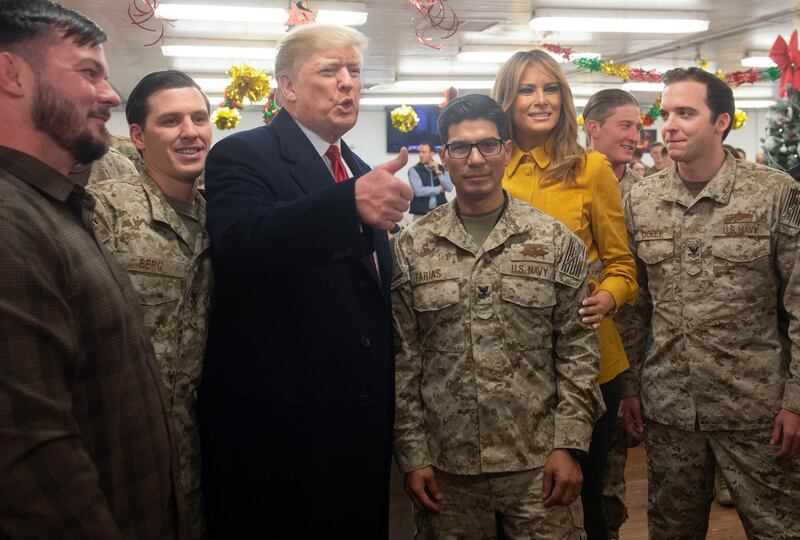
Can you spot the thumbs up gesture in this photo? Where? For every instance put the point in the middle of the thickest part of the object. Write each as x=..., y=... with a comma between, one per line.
x=381, y=198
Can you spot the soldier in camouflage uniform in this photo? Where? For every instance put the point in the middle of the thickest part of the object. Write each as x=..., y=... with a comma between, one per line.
x=125, y=146
x=718, y=245
x=496, y=376
x=112, y=165
x=612, y=121
x=154, y=224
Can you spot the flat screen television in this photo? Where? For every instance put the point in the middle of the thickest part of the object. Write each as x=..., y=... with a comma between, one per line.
x=426, y=130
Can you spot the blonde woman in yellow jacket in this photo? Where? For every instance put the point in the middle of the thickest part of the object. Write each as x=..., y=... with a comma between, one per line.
x=551, y=171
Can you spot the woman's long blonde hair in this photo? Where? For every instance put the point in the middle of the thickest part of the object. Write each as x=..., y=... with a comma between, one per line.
x=567, y=156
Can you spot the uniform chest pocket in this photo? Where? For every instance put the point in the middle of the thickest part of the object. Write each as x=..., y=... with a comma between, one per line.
x=526, y=311
x=157, y=280
x=741, y=249
x=439, y=315
x=436, y=295
x=654, y=245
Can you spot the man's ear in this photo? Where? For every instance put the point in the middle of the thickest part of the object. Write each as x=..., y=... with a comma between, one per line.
x=137, y=136
x=592, y=128
x=287, y=88
x=11, y=76
x=723, y=121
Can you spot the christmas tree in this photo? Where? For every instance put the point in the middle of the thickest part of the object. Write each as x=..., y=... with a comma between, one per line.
x=783, y=131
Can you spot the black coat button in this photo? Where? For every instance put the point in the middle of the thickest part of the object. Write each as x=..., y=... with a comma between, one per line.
x=365, y=342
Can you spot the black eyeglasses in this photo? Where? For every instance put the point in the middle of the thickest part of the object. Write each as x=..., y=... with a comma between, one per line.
x=487, y=147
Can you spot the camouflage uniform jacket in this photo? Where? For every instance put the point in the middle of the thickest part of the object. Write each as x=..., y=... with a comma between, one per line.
x=716, y=272
x=628, y=179
x=172, y=273
x=493, y=367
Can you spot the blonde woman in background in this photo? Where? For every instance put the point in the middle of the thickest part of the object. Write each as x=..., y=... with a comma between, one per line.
x=551, y=171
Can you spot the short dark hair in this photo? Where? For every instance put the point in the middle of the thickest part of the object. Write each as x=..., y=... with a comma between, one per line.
x=665, y=152
x=136, y=109
x=719, y=96
x=23, y=22
x=425, y=143
x=637, y=153
x=654, y=144
x=473, y=107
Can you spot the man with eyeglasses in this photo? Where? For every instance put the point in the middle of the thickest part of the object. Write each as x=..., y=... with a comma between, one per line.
x=496, y=376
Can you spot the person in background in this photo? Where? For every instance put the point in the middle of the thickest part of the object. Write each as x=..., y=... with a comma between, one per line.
x=154, y=224
x=429, y=182
x=717, y=240
x=484, y=295
x=639, y=168
x=656, y=151
x=551, y=171
x=612, y=121
x=297, y=400
x=666, y=161
x=85, y=439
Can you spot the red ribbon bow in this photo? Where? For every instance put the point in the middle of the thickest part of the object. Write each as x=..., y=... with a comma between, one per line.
x=788, y=59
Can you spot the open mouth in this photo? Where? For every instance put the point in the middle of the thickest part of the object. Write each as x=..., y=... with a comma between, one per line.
x=189, y=150
x=540, y=115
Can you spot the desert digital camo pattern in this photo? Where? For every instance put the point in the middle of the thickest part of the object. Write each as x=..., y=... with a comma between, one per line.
x=493, y=368
x=125, y=146
x=715, y=274
x=172, y=273
x=468, y=509
x=680, y=475
x=628, y=179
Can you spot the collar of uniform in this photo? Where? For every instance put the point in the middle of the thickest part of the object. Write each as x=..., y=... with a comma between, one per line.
x=160, y=209
x=38, y=174
x=719, y=187
x=508, y=225
x=450, y=226
x=540, y=155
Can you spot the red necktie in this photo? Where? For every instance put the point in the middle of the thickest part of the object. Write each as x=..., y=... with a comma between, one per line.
x=339, y=172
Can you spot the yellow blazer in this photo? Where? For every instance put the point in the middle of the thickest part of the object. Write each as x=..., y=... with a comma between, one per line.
x=591, y=207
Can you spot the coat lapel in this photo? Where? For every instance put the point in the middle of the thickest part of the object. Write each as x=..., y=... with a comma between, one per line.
x=311, y=174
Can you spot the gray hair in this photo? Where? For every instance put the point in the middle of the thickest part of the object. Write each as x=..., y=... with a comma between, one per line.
x=297, y=45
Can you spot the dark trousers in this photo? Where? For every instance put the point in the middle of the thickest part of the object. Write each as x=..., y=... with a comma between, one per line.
x=593, y=464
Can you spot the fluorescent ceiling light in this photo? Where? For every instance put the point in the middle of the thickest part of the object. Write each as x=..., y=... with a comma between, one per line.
x=757, y=60
x=753, y=92
x=217, y=99
x=205, y=51
x=498, y=56
x=588, y=90
x=580, y=102
x=432, y=85
x=219, y=84
x=402, y=100
x=193, y=12
x=648, y=22
x=215, y=65
x=643, y=87
x=754, y=103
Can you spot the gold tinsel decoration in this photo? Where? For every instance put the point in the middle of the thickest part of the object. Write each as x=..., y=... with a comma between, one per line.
x=247, y=83
x=616, y=70
x=404, y=119
x=225, y=118
x=580, y=120
x=739, y=118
